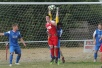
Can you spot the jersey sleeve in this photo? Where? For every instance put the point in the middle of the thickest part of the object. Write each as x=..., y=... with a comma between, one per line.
x=52, y=21
x=57, y=19
x=6, y=33
x=50, y=16
x=61, y=31
x=19, y=36
x=94, y=34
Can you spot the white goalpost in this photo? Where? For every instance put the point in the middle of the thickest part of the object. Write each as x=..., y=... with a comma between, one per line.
x=49, y=3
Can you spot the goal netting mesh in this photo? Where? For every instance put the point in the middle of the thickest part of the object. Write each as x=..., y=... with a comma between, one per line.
x=79, y=22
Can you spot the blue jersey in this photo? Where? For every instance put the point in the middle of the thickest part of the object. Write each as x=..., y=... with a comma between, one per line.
x=98, y=34
x=13, y=37
x=59, y=32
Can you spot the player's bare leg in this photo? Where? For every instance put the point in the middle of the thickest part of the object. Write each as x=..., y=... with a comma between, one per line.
x=101, y=57
x=63, y=60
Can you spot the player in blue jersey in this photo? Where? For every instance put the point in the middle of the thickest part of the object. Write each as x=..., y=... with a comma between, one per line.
x=59, y=32
x=13, y=36
x=96, y=37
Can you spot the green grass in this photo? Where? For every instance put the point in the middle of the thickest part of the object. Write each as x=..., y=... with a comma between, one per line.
x=47, y=65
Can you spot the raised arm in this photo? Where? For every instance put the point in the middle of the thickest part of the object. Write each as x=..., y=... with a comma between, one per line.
x=57, y=18
x=5, y=33
x=1, y=34
x=49, y=13
x=53, y=23
x=57, y=15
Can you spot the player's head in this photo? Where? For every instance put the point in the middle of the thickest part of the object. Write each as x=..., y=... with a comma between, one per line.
x=59, y=25
x=47, y=18
x=99, y=25
x=15, y=26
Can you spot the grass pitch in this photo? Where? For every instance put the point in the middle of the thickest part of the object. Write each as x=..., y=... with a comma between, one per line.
x=47, y=65
x=40, y=57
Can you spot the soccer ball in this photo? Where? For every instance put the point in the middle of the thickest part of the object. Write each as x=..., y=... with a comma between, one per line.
x=52, y=7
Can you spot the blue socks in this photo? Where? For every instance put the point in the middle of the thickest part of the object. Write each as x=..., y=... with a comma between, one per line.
x=18, y=58
x=58, y=54
x=95, y=55
x=11, y=57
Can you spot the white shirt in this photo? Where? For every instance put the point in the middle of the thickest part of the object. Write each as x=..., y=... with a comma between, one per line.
x=95, y=32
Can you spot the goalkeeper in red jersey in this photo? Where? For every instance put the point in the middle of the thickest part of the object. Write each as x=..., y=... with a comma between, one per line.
x=52, y=38
x=59, y=33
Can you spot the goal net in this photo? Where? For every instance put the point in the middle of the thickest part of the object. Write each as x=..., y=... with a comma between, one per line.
x=79, y=22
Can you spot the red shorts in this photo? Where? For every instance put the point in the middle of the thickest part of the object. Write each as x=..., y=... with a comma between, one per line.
x=101, y=48
x=53, y=40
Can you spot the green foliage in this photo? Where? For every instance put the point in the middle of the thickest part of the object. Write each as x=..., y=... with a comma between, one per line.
x=31, y=19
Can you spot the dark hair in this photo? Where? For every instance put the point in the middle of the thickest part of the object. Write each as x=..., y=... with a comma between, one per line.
x=15, y=24
x=59, y=23
x=48, y=15
x=99, y=23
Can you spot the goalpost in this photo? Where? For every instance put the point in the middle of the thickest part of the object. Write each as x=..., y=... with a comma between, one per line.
x=79, y=20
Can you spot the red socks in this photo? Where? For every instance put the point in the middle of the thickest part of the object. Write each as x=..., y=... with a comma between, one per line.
x=56, y=52
x=52, y=52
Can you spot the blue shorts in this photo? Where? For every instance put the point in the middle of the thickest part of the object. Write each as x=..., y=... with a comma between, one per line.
x=58, y=43
x=97, y=46
x=17, y=49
